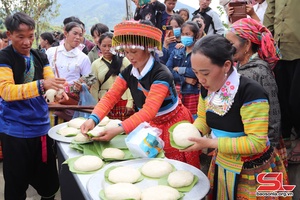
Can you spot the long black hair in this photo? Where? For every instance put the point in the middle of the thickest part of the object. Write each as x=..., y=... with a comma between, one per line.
x=117, y=61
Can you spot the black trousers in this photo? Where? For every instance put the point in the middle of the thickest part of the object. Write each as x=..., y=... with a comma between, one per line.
x=287, y=75
x=23, y=165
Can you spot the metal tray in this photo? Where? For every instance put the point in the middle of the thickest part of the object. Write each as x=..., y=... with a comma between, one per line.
x=97, y=182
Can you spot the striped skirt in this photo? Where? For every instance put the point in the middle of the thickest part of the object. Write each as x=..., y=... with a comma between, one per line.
x=164, y=122
x=190, y=101
x=244, y=185
x=119, y=111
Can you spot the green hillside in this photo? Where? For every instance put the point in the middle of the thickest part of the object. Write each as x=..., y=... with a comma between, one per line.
x=91, y=12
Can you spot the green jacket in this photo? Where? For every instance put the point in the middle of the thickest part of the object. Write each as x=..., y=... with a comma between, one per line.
x=282, y=19
x=93, y=54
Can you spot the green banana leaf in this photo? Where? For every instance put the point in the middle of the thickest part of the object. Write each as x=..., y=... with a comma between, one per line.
x=173, y=144
x=70, y=163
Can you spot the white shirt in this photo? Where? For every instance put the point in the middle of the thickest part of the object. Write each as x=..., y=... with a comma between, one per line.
x=147, y=68
x=260, y=10
x=71, y=65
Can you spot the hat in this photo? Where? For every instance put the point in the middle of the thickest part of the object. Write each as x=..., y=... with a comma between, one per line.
x=132, y=34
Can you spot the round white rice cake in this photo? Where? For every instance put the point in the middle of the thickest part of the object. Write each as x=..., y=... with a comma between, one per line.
x=81, y=138
x=121, y=191
x=104, y=121
x=113, y=153
x=113, y=123
x=156, y=168
x=65, y=131
x=76, y=122
x=124, y=174
x=182, y=132
x=88, y=163
x=160, y=192
x=180, y=178
x=96, y=131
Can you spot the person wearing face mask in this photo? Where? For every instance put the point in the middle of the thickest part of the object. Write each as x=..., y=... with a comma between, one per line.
x=179, y=63
x=172, y=38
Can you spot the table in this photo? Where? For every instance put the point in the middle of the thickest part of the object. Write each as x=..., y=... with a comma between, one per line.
x=74, y=186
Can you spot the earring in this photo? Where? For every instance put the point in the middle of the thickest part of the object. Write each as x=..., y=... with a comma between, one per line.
x=246, y=52
x=225, y=74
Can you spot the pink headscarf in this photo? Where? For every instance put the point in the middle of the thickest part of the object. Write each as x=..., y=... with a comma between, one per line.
x=257, y=33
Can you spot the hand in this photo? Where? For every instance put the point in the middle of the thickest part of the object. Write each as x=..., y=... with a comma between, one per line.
x=179, y=46
x=77, y=86
x=168, y=40
x=230, y=11
x=86, y=126
x=54, y=83
x=191, y=81
x=109, y=134
x=250, y=10
x=202, y=143
x=176, y=69
x=129, y=111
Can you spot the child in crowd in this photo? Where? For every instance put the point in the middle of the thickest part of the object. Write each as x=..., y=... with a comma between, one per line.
x=163, y=18
x=184, y=13
x=213, y=23
x=96, y=31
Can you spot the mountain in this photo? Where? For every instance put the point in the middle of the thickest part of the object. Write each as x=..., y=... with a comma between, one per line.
x=90, y=12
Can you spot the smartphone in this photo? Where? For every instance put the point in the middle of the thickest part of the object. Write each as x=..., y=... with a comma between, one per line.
x=169, y=31
x=239, y=8
x=144, y=2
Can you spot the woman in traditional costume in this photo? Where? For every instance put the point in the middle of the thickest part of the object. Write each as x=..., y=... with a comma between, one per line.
x=235, y=110
x=151, y=85
x=256, y=56
x=106, y=69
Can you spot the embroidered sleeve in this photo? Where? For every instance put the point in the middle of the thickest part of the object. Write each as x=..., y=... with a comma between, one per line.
x=153, y=102
x=48, y=73
x=200, y=122
x=255, y=119
x=9, y=91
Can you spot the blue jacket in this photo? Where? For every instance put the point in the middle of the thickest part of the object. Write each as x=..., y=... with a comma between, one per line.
x=178, y=58
x=167, y=52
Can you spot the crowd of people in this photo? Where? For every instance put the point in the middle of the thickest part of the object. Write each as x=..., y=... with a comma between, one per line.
x=237, y=86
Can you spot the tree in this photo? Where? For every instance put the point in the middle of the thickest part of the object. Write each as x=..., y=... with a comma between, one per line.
x=40, y=10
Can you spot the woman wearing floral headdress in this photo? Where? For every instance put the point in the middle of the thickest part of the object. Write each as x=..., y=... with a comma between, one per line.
x=151, y=85
x=256, y=55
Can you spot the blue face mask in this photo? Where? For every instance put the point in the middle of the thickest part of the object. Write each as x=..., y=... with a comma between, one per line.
x=187, y=40
x=177, y=32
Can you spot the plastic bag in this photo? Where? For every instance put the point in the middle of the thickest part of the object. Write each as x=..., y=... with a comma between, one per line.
x=85, y=99
x=144, y=141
